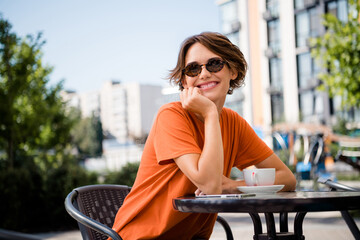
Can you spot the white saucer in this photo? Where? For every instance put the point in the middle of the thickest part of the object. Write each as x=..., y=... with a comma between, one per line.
x=261, y=189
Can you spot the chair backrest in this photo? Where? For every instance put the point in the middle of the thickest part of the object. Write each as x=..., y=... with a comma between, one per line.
x=350, y=153
x=101, y=203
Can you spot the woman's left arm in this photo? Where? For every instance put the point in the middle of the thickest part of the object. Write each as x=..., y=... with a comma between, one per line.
x=283, y=174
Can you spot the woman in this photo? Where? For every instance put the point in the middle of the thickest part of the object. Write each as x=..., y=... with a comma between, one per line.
x=193, y=145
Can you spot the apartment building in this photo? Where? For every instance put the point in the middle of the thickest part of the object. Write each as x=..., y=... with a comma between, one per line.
x=90, y=104
x=281, y=84
x=127, y=111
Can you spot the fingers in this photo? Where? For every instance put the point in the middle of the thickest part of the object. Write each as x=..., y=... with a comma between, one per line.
x=198, y=192
x=187, y=94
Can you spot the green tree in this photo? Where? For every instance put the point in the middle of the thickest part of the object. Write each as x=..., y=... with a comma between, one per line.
x=126, y=176
x=33, y=119
x=338, y=51
x=37, y=166
x=88, y=136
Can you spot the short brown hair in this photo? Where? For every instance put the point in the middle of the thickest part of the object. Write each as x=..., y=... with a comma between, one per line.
x=218, y=44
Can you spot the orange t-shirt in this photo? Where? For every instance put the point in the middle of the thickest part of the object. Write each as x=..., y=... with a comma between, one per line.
x=147, y=212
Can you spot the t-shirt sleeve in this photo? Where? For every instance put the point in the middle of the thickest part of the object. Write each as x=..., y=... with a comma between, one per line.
x=174, y=136
x=252, y=149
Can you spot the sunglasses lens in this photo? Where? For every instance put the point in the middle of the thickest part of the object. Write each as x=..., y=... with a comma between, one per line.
x=192, y=70
x=214, y=65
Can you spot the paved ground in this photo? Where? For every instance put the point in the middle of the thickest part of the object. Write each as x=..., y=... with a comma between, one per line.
x=317, y=226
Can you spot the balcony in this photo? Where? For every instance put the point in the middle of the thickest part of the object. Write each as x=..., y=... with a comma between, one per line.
x=271, y=14
x=272, y=52
x=310, y=3
x=274, y=90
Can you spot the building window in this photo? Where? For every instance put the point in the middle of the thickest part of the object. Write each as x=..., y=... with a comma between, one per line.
x=274, y=35
x=275, y=75
x=277, y=108
x=230, y=24
x=301, y=4
x=310, y=101
x=311, y=106
x=276, y=90
x=338, y=8
x=274, y=48
x=307, y=24
x=273, y=7
x=307, y=71
x=234, y=38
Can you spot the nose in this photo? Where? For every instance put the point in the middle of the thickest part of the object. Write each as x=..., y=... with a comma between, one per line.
x=204, y=72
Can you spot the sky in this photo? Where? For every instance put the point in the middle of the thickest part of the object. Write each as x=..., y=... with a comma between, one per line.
x=89, y=42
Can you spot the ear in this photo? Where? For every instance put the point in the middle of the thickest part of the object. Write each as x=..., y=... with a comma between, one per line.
x=233, y=74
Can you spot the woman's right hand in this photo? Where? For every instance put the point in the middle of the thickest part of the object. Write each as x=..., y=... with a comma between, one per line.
x=192, y=100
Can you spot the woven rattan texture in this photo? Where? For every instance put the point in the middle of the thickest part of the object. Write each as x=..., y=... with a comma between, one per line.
x=102, y=206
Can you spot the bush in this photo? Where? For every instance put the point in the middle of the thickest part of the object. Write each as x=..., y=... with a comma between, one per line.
x=33, y=201
x=21, y=199
x=126, y=176
x=60, y=182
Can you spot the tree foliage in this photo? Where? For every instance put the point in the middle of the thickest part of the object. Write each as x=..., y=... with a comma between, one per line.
x=37, y=167
x=88, y=136
x=33, y=119
x=126, y=176
x=338, y=51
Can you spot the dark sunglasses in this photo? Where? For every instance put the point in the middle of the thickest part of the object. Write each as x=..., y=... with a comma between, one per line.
x=213, y=65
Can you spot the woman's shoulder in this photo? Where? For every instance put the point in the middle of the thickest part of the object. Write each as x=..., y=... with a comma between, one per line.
x=172, y=106
x=231, y=114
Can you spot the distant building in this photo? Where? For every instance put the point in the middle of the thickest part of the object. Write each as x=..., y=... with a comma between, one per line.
x=127, y=111
x=143, y=102
x=113, y=104
x=127, y=114
x=170, y=94
x=90, y=104
x=117, y=154
x=281, y=81
x=71, y=98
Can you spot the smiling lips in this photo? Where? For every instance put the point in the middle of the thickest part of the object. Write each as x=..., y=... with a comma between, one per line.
x=208, y=85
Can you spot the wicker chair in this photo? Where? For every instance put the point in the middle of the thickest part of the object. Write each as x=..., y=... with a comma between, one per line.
x=94, y=208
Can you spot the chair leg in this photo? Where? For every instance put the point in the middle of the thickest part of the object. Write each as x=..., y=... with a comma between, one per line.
x=224, y=223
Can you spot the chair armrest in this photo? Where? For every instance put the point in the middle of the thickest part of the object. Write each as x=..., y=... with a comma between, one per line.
x=85, y=220
x=336, y=185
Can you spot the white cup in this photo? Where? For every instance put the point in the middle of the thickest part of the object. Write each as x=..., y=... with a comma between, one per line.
x=259, y=176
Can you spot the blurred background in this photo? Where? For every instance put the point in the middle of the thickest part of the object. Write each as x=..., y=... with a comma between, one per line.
x=81, y=82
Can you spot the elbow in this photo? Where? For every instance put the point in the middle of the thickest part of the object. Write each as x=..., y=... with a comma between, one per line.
x=212, y=187
x=290, y=183
x=212, y=190
x=215, y=190
x=293, y=184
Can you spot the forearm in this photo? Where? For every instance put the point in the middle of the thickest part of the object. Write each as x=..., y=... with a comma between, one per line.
x=211, y=161
x=283, y=175
x=287, y=178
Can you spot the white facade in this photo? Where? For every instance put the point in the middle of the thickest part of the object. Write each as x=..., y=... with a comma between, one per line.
x=281, y=84
x=143, y=104
x=127, y=112
x=113, y=102
x=90, y=104
x=71, y=98
x=117, y=154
